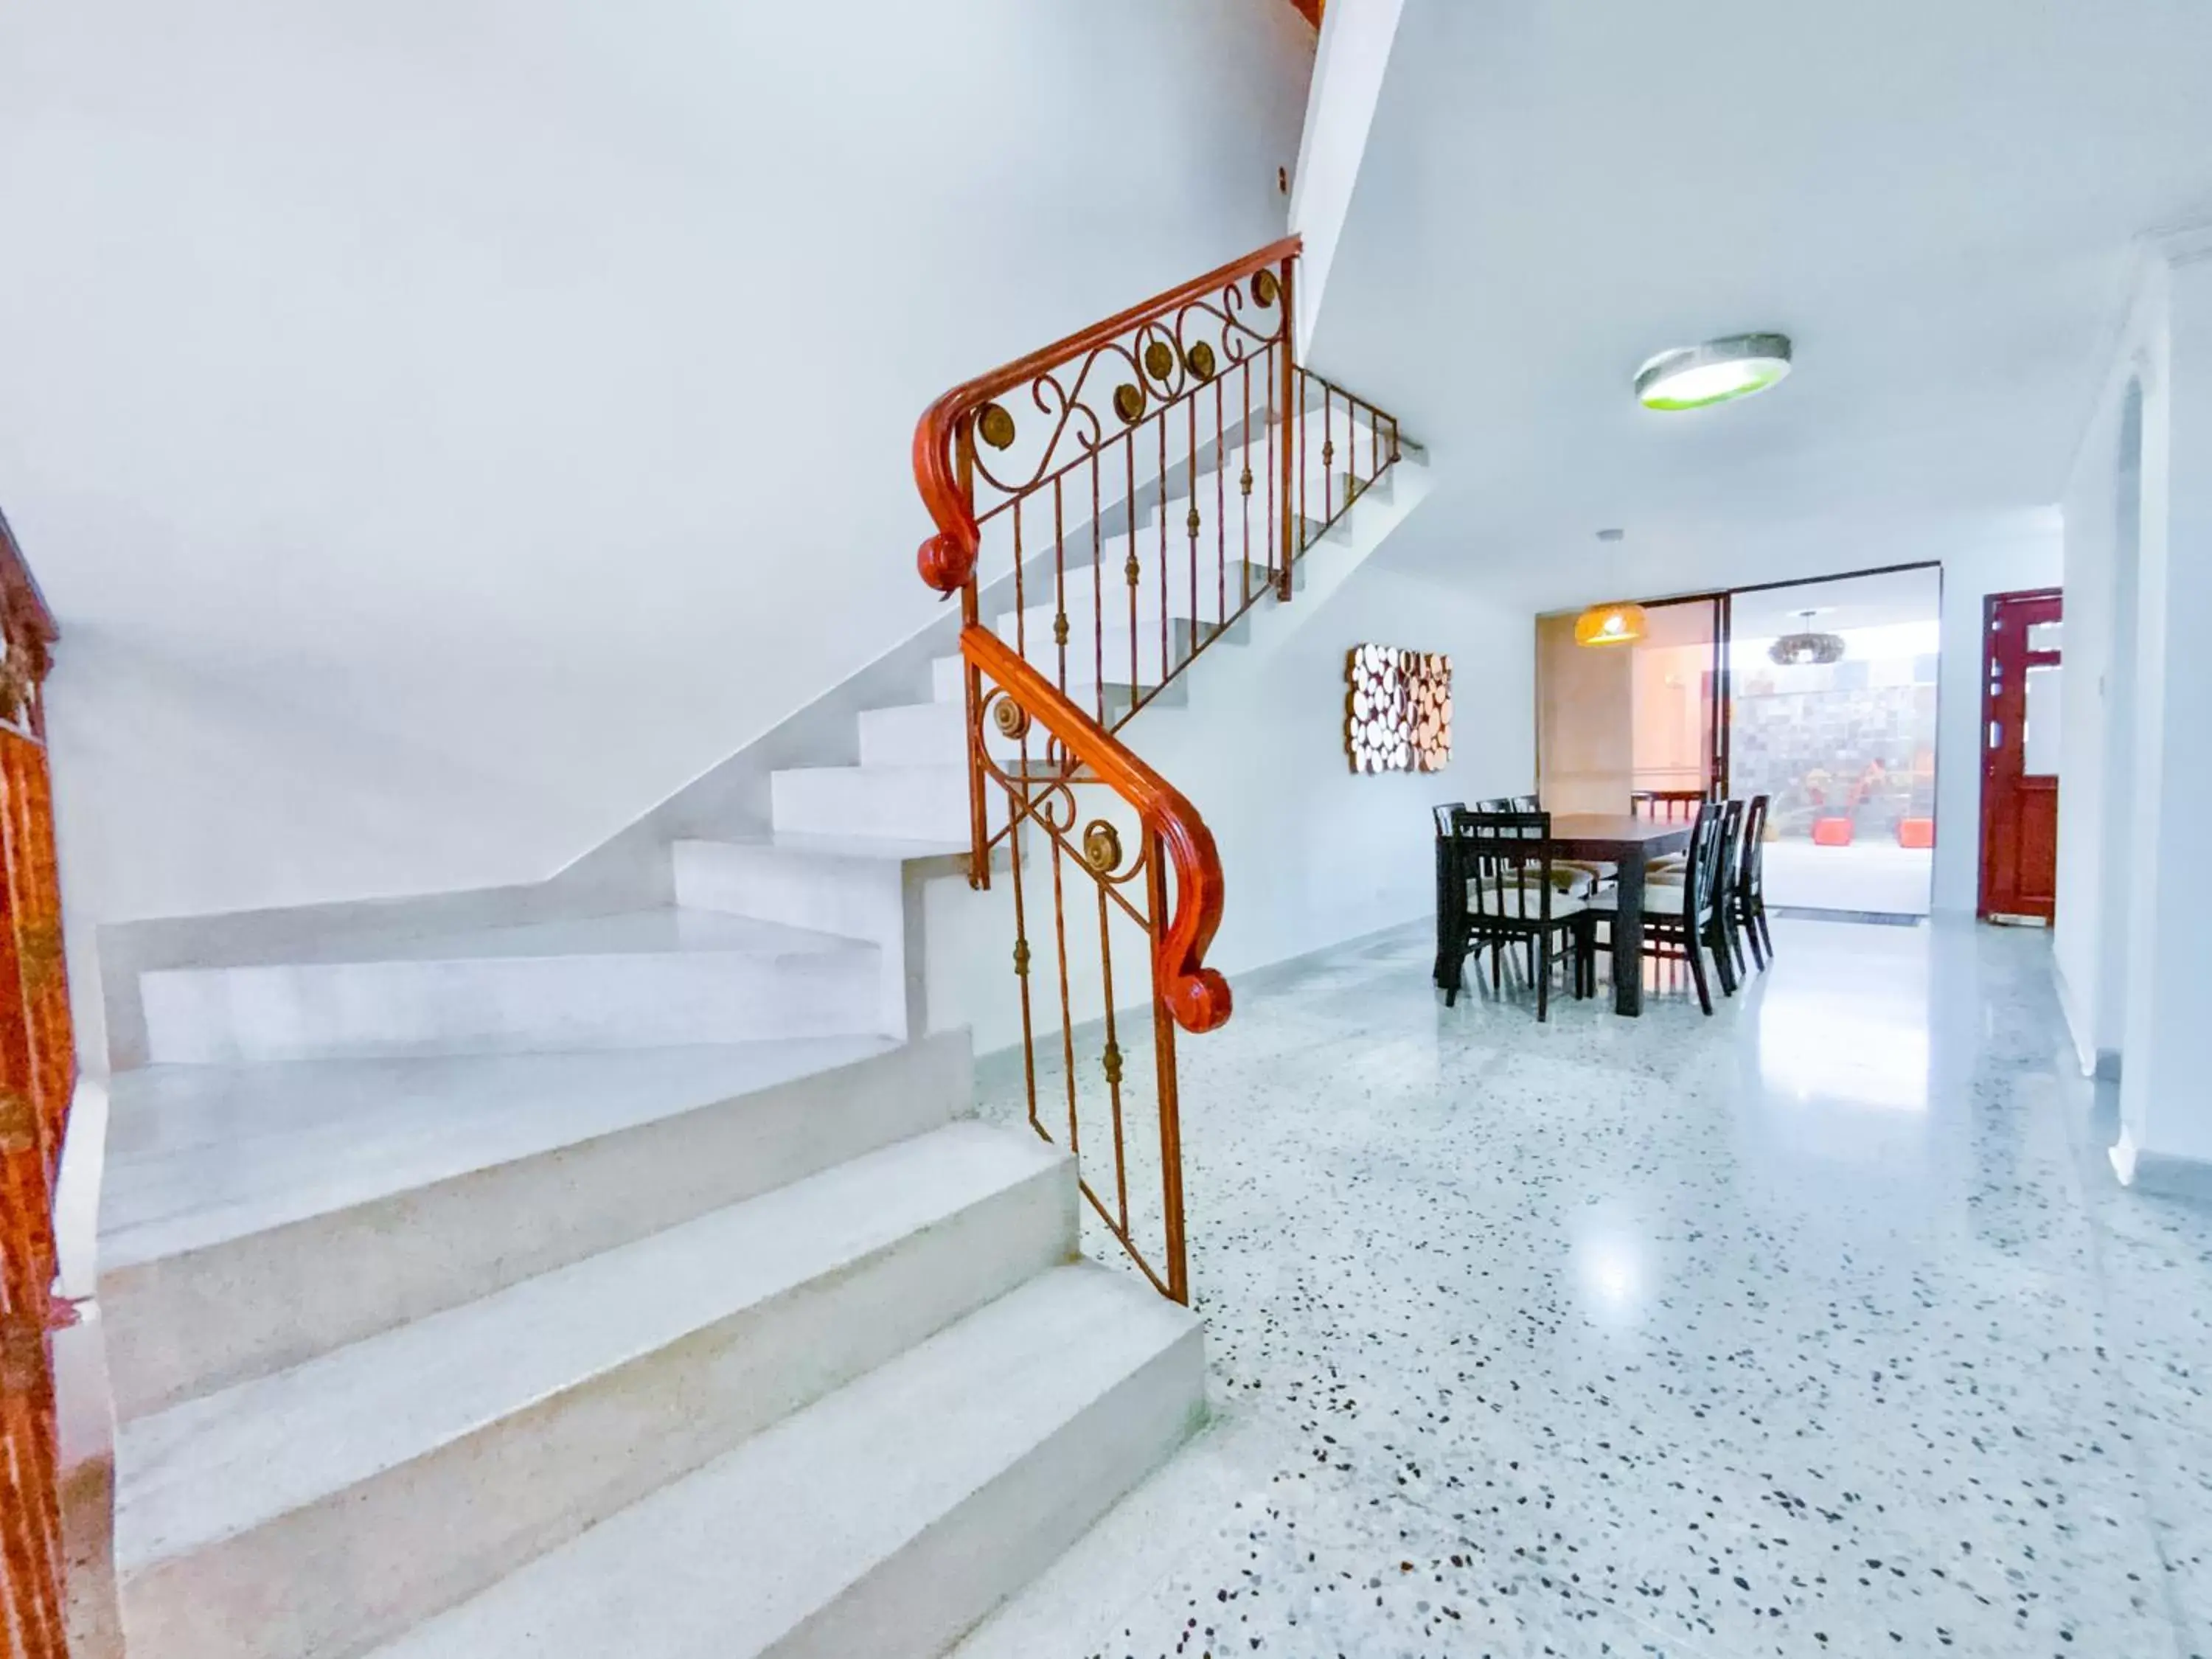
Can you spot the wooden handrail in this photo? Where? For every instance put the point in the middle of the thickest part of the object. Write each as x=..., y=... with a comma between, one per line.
x=947, y=559
x=1197, y=995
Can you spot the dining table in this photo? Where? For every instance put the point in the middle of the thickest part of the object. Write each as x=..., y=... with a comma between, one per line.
x=1629, y=844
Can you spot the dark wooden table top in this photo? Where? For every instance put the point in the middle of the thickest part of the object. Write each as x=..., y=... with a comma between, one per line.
x=1608, y=835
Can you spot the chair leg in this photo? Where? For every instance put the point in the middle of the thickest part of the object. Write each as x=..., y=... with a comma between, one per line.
x=1716, y=941
x=1541, y=944
x=1764, y=931
x=1697, y=969
x=1749, y=921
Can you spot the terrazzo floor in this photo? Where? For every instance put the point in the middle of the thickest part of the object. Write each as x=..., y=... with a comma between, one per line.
x=1817, y=1327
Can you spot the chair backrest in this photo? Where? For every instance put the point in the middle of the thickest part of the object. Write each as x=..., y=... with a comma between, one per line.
x=1728, y=855
x=1527, y=803
x=1666, y=806
x=1444, y=813
x=1750, y=873
x=1502, y=856
x=1701, y=861
x=1497, y=803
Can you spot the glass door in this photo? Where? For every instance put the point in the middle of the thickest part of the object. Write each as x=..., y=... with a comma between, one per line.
x=1832, y=717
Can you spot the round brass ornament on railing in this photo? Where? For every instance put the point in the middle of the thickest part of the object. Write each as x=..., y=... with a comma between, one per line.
x=1102, y=847
x=1200, y=359
x=1129, y=402
x=995, y=426
x=1010, y=718
x=1160, y=360
x=1265, y=288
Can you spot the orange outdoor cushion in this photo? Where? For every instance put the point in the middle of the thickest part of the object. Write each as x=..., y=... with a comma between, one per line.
x=1832, y=832
x=1919, y=834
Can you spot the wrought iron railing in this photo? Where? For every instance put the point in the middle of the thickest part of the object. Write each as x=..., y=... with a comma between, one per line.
x=37, y=1072
x=1127, y=496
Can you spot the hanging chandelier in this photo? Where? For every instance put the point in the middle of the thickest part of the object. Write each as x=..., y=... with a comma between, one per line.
x=1805, y=649
x=1610, y=624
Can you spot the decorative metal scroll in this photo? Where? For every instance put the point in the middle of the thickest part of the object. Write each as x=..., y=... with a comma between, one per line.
x=1398, y=710
x=1085, y=869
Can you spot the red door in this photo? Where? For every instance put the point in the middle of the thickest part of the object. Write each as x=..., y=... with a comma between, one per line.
x=2022, y=681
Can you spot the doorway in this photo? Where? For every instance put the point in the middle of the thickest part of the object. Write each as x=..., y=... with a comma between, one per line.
x=2022, y=683
x=1820, y=695
x=1833, y=716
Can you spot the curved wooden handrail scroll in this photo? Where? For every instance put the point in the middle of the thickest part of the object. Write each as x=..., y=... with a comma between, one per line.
x=1198, y=996
x=947, y=559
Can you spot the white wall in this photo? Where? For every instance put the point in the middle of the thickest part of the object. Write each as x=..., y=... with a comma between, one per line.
x=1315, y=853
x=2166, y=1110
x=2105, y=526
x=445, y=428
x=2136, y=779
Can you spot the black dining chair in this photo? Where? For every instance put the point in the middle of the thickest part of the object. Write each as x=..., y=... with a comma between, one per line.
x=1667, y=806
x=1681, y=919
x=1506, y=894
x=1447, y=877
x=1748, y=900
x=1728, y=947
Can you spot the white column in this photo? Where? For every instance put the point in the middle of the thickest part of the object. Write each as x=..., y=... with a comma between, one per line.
x=2166, y=1082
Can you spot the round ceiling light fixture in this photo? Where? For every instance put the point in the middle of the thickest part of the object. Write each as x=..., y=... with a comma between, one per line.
x=1806, y=649
x=1610, y=624
x=1717, y=372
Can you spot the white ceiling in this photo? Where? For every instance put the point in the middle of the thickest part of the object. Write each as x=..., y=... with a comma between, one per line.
x=1938, y=202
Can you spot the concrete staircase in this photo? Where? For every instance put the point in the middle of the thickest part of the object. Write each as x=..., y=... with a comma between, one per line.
x=630, y=1284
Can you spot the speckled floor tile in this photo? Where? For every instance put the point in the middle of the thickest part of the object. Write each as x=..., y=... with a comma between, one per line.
x=1818, y=1327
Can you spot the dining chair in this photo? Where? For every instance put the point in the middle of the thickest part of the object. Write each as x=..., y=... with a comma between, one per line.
x=1749, y=897
x=1681, y=918
x=1666, y=806
x=1447, y=877
x=1727, y=946
x=1506, y=895
x=1578, y=877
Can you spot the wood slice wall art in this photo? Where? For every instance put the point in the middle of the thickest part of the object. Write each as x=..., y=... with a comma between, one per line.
x=1397, y=709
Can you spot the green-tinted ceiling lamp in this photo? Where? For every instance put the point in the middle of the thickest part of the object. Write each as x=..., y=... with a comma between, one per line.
x=1717, y=372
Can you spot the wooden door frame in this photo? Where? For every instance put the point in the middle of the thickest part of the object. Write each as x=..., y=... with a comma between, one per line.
x=1991, y=604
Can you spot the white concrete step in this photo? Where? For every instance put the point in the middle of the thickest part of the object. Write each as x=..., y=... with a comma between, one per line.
x=859, y=887
x=923, y=734
x=915, y=734
x=230, y=1191
x=648, y=979
x=903, y=803
x=886, y=1519
x=340, y=1501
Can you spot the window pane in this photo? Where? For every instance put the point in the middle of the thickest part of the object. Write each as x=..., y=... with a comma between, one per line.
x=2044, y=636
x=2038, y=736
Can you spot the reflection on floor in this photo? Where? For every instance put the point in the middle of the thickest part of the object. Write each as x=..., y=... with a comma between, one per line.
x=1872, y=878
x=1816, y=1327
